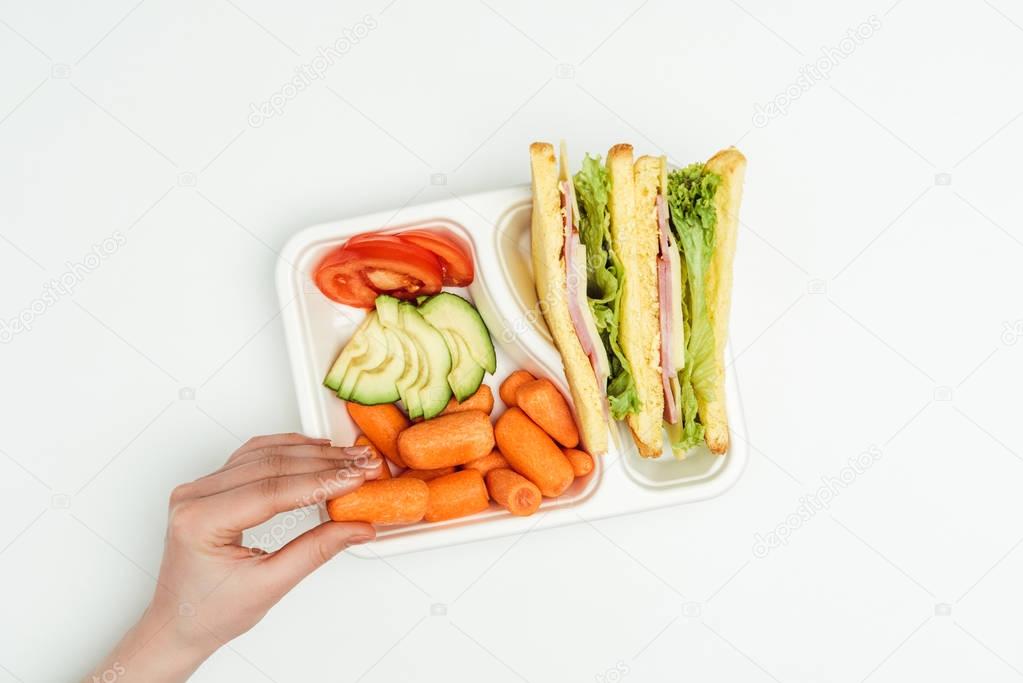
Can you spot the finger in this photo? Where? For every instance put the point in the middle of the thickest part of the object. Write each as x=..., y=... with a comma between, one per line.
x=275, y=466
x=246, y=506
x=301, y=451
x=313, y=549
x=289, y=439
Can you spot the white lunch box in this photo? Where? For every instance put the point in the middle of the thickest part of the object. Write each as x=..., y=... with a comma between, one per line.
x=496, y=226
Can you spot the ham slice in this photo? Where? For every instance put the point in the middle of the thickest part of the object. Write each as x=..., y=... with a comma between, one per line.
x=575, y=277
x=667, y=369
x=669, y=310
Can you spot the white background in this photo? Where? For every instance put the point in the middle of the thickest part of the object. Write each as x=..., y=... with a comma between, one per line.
x=876, y=303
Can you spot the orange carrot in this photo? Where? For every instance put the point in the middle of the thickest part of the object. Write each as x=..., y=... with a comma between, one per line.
x=532, y=453
x=545, y=405
x=383, y=501
x=490, y=461
x=483, y=400
x=381, y=425
x=513, y=491
x=427, y=475
x=511, y=385
x=385, y=471
x=582, y=463
x=456, y=495
x=447, y=440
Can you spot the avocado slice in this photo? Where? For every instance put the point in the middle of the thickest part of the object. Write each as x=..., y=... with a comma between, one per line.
x=432, y=388
x=380, y=384
x=370, y=334
x=411, y=371
x=356, y=347
x=387, y=311
x=465, y=376
x=452, y=313
x=415, y=357
x=411, y=398
x=413, y=404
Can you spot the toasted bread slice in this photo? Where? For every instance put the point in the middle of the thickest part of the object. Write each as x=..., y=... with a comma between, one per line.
x=730, y=165
x=547, y=245
x=635, y=240
x=650, y=173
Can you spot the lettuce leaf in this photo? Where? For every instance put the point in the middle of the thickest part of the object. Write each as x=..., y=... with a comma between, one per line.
x=691, y=193
x=604, y=280
x=593, y=191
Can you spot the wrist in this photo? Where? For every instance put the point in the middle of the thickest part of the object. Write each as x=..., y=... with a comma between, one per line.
x=177, y=634
x=163, y=647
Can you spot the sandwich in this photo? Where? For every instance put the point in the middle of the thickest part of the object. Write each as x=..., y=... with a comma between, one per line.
x=633, y=271
x=584, y=241
x=560, y=271
x=695, y=212
x=636, y=243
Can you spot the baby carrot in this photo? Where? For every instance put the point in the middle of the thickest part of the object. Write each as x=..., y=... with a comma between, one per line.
x=427, y=475
x=483, y=400
x=545, y=405
x=490, y=461
x=456, y=495
x=447, y=440
x=582, y=462
x=511, y=385
x=381, y=425
x=383, y=501
x=385, y=471
x=513, y=491
x=532, y=453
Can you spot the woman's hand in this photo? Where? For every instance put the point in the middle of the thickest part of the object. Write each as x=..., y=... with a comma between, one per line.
x=211, y=588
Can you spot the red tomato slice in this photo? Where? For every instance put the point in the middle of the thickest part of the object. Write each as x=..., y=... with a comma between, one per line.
x=454, y=256
x=355, y=274
x=363, y=237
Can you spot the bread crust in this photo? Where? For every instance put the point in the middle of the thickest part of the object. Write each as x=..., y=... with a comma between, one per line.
x=547, y=240
x=635, y=241
x=730, y=165
x=647, y=172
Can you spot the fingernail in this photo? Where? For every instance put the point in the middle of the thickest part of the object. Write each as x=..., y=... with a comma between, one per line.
x=357, y=451
x=355, y=540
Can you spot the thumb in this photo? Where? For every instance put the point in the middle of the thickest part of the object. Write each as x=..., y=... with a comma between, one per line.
x=313, y=549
